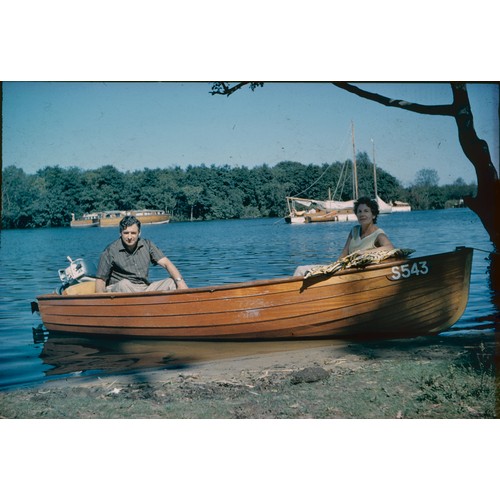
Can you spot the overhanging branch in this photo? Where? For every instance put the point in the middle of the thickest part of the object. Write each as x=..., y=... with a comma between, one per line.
x=443, y=109
x=224, y=88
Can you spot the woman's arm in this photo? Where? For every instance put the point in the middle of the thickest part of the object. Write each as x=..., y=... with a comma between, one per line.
x=383, y=242
x=345, y=251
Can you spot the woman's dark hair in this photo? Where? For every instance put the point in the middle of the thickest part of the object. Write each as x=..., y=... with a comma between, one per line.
x=364, y=200
x=129, y=220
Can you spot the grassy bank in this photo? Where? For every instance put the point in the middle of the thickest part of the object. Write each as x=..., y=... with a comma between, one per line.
x=431, y=377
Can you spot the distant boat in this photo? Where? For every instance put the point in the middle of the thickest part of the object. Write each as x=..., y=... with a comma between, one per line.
x=87, y=220
x=304, y=210
x=151, y=216
x=384, y=208
x=401, y=206
x=111, y=218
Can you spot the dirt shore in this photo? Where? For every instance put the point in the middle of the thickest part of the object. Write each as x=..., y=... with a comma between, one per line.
x=425, y=377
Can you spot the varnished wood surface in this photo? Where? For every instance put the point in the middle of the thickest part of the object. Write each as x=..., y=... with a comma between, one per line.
x=347, y=303
x=145, y=219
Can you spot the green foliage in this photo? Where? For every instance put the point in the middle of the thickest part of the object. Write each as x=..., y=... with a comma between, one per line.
x=468, y=383
x=427, y=177
x=51, y=195
x=425, y=194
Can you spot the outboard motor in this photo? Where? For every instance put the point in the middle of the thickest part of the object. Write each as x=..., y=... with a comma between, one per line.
x=78, y=271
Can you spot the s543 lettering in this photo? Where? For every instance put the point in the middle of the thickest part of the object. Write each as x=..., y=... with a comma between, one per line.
x=407, y=270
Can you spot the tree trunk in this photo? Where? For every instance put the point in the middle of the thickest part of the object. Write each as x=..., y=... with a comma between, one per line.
x=486, y=202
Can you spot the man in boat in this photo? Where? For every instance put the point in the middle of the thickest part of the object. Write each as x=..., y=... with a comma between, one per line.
x=365, y=237
x=124, y=264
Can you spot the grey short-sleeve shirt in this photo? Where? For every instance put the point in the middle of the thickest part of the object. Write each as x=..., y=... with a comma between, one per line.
x=116, y=263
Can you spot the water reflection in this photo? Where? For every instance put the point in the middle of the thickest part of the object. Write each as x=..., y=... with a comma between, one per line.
x=79, y=354
x=68, y=354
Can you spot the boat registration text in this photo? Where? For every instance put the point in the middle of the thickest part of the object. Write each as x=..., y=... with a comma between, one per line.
x=406, y=270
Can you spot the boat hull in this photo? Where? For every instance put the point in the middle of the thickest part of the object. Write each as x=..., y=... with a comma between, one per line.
x=335, y=216
x=84, y=223
x=144, y=219
x=111, y=219
x=295, y=219
x=154, y=219
x=405, y=297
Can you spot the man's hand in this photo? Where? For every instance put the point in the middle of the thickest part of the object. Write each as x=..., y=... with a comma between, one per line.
x=100, y=286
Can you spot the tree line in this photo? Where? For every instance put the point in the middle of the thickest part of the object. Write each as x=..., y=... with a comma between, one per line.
x=49, y=197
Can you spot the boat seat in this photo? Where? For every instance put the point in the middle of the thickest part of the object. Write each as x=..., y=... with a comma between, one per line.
x=83, y=288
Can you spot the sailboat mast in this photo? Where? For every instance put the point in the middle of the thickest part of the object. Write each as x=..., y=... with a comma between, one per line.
x=354, y=168
x=374, y=170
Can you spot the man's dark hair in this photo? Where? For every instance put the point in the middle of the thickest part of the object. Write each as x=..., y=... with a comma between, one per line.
x=129, y=220
x=365, y=200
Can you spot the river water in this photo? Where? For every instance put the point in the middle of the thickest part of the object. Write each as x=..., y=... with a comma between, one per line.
x=207, y=253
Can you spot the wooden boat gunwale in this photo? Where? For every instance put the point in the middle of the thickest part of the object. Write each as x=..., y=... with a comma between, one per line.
x=228, y=286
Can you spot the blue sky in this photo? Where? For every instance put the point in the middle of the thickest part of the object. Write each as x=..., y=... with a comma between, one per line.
x=136, y=125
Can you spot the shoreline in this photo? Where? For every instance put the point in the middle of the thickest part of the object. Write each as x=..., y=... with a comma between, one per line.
x=423, y=377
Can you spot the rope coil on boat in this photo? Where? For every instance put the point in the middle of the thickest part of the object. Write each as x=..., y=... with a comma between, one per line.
x=358, y=260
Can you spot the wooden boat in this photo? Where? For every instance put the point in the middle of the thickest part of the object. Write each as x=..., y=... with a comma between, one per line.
x=401, y=206
x=151, y=216
x=341, y=215
x=303, y=210
x=398, y=296
x=113, y=217
x=87, y=220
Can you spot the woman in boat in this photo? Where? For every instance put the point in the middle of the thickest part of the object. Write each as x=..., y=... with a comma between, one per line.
x=124, y=264
x=367, y=235
x=364, y=237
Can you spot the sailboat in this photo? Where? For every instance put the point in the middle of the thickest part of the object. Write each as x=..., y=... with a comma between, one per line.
x=384, y=208
x=305, y=210
x=341, y=210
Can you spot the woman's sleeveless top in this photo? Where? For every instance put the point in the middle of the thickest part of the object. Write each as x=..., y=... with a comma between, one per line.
x=367, y=243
